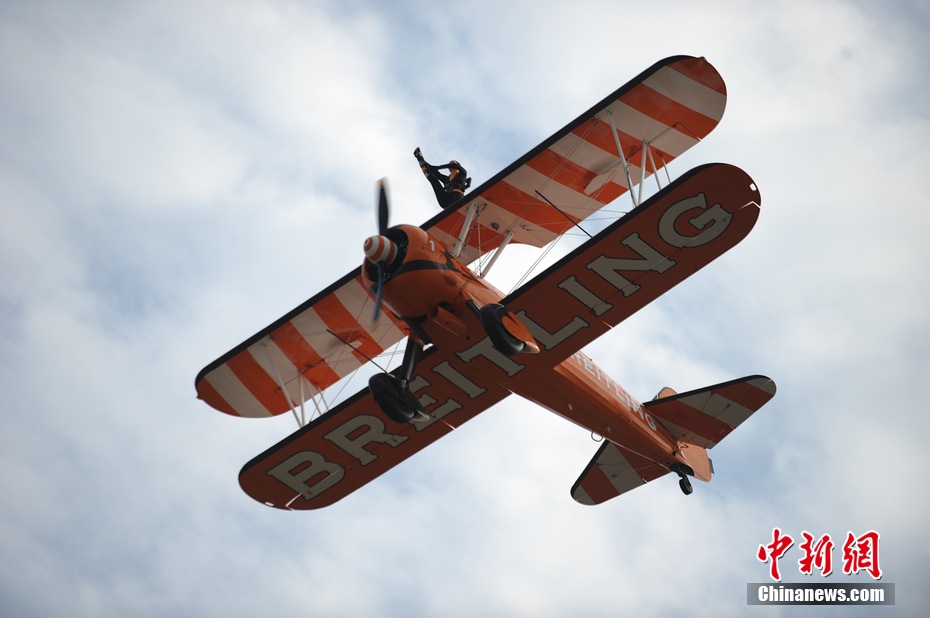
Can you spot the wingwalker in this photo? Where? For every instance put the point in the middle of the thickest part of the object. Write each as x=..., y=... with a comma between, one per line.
x=468, y=346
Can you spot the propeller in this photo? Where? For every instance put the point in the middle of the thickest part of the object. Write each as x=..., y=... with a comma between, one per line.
x=382, y=207
x=382, y=228
x=380, y=249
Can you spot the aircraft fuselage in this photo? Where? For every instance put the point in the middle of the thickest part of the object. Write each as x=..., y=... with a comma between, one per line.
x=431, y=289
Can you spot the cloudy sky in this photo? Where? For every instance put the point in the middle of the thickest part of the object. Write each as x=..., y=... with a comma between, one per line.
x=176, y=175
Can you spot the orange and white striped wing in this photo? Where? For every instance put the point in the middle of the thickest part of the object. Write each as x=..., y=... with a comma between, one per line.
x=612, y=471
x=671, y=106
x=702, y=417
x=706, y=416
x=300, y=355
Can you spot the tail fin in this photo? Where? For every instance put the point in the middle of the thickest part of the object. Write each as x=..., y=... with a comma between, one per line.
x=699, y=418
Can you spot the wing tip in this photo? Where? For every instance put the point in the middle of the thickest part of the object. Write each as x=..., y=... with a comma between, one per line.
x=581, y=496
x=763, y=383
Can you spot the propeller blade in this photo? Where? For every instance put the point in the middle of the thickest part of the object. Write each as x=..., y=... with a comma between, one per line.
x=378, y=292
x=382, y=228
x=382, y=207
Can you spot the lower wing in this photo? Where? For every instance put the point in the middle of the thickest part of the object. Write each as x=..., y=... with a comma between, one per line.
x=355, y=443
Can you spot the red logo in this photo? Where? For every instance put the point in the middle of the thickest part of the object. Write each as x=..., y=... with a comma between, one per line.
x=859, y=553
x=819, y=554
x=773, y=551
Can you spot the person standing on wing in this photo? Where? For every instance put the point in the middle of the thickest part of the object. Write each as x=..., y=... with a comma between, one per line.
x=448, y=188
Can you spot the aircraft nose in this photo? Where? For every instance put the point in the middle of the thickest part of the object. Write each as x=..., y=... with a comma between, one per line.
x=380, y=249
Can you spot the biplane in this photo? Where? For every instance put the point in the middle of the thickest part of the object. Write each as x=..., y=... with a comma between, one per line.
x=469, y=346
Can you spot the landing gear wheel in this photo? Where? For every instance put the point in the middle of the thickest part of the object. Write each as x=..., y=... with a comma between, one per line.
x=397, y=403
x=685, y=485
x=492, y=318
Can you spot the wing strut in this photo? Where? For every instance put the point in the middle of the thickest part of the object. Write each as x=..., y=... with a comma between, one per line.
x=655, y=170
x=469, y=218
x=497, y=252
x=646, y=156
x=642, y=171
x=303, y=398
x=626, y=168
x=277, y=378
x=650, y=157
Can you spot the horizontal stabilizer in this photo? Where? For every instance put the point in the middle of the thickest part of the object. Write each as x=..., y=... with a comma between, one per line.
x=614, y=470
x=705, y=416
x=700, y=418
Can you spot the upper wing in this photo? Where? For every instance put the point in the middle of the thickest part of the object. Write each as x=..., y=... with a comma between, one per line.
x=301, y=354
x=354, y=443
x=706, y=416
x=671, y=106
x=631, y=263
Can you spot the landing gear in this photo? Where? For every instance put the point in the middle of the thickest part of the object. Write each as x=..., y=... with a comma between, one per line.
x=685, y=485
x=394, y=398
x=392, y=393
x=684, y=482
x=493, y=319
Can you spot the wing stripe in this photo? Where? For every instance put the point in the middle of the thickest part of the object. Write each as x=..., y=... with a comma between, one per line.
x=207, y=392
x=566, y=198
x=338, y=319
x=707, y=416
x=711, y=429
x=619, y=470
x=560, y=169
x=670, y=112
x=672, y=106
x=602, y=148
x=223, y=389
x=509, y=197
x=357, y=300
x=752, y=393
x=256, y=380
x=596, y=487
x=613, y=471
x=313, y=329
x=481, y=239
x=243, y=383
x=702, y=73
x=689, y=93
x=304, y=358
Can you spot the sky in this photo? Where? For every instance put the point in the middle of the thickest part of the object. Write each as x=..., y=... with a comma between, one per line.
x=176, y=175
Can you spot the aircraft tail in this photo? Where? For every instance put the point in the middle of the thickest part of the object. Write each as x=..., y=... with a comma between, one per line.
x=706, y=416
x=699, y=418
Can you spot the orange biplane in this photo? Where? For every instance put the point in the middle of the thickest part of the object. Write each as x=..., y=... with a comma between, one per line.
x=468, y=346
